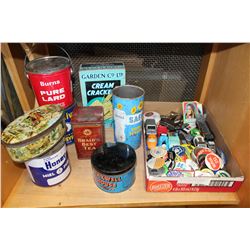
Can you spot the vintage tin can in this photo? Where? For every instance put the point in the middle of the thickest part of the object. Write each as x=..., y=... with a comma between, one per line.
x=50, y=78
x=114, y=167
x=51, y=168
x=128, y=107
x=69, y=137
x=34, y=133
x=88, y=129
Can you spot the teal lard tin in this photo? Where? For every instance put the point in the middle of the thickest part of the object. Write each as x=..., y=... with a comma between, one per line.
x=128, y=109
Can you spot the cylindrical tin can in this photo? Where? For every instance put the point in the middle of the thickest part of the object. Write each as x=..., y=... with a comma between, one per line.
x=34, y=133
x=69, y=137
x=114, y=167
x=51, y=168
x=50, y=78
x=128, y=107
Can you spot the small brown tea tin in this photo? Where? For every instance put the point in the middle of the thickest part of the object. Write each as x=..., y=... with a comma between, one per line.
x=88, y=130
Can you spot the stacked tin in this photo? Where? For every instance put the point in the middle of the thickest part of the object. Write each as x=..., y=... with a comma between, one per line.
x=37, y=139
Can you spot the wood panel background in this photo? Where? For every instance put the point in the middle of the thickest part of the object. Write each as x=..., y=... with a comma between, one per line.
x=227, y=98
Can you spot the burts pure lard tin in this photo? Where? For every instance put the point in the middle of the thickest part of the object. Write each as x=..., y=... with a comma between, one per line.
x=114, y=167
x=128, y=107
x=69, y=137
x=50, y=78
x=51, y=168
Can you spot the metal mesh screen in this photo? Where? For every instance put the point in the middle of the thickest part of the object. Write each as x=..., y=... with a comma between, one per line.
x=167, y=72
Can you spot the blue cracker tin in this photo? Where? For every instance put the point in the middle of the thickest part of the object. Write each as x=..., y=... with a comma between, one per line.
x=69, y=138
x=114, y=167
x=128, y=108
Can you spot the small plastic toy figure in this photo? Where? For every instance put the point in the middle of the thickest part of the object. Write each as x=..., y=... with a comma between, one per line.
x=151, y=141
x=161, y=130
x=163, y=139
x=150, y=126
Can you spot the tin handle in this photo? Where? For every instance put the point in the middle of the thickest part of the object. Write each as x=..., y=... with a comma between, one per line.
x=32, y=49
x=70, y=60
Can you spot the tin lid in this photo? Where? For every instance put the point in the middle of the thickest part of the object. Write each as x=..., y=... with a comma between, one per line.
x=89, y=114
x=113, y=158
x=32, y=125
x=47, y=64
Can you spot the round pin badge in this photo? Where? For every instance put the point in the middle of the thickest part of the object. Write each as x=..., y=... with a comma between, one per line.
x=194, y=153
x=179, y=150
x=207, y=170
x=201, y=159
x=196, y=150
x=222, y=173
x=158, y=152
x=213, y=162
x=203, y=151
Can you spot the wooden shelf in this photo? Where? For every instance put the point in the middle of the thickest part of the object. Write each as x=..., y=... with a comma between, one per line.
x=79, y=190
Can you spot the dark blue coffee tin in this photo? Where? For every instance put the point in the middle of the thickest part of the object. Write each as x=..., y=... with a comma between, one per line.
x=69, y=138
x=114, y=167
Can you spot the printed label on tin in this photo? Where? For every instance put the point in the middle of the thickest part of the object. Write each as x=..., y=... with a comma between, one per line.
x=53, y=88
x=87, y=139
x=50, y=170
x=134, y=119
x=69, y=138
x=116, y=183
x=122, y=121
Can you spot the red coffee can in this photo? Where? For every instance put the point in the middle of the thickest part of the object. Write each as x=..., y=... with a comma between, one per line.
x=50, y=78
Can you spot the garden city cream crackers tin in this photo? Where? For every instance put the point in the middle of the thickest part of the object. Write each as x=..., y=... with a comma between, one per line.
x=97, y=82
